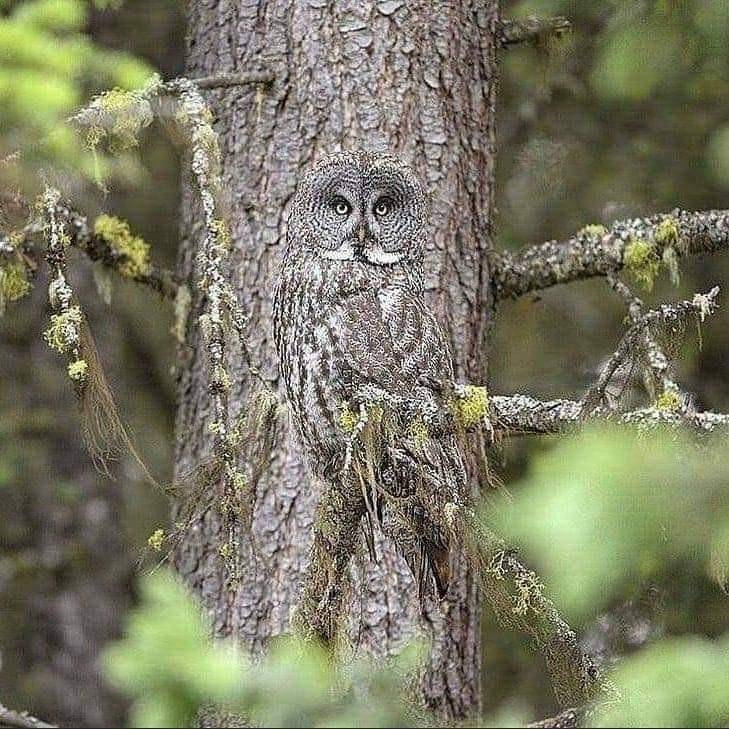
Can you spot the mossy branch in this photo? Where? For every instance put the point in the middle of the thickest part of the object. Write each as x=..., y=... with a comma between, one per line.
x=596, y=251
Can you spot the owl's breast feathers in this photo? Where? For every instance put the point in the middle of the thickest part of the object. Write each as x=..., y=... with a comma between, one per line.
x=337, y=334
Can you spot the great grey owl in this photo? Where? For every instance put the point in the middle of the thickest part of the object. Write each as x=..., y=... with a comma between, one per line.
x=352, y=328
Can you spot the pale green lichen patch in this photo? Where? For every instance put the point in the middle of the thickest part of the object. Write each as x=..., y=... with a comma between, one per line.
x=78, y=370
x=592, y=231
x=157, y=539
x=641, y=259
x=63, y=332
x=116, y=232
x=470, y=406
x=668, y=401
x=14, y=283
x=418, y=432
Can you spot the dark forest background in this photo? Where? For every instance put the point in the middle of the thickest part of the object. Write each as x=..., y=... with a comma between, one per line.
x=624, y=116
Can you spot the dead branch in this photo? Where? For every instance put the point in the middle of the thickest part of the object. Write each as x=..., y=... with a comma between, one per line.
x=21, y=720
x=228, y=80
x=639, y=336
x=530, y=30
x=568, y=719
x=599, y=252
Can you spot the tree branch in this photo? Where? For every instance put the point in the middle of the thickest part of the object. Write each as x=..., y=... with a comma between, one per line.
x=567, y=719
x=97, y=248
x=594, y=252
x=21, y=720
x=228, y=80
x=521, y=415
x=530, y=30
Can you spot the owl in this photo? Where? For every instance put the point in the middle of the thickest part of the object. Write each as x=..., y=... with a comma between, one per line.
x=358, y=344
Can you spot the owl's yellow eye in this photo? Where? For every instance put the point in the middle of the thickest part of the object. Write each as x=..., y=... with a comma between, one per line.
x=341, y=206
x=383, y=207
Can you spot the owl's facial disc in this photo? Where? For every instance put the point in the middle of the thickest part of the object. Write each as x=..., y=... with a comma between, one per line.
x=362, y=207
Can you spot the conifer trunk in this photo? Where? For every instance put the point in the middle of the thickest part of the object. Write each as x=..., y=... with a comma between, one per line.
x=414, y=78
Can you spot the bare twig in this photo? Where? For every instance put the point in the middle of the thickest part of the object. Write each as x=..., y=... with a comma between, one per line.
x=593, y=252
x=567, y=719
x=21, y=720
x=531, y=30
x=228, y=80
x=639, y=336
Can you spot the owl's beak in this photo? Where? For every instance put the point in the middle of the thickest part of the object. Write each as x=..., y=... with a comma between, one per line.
x=361, y=233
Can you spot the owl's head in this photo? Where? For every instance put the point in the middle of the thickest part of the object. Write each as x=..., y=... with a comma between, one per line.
x=360, y=206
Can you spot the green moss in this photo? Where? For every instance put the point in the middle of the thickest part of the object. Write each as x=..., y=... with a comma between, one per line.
x=78, y=370
x=641, y=259
x=14, y=282
x=592, y=231
x=63, y=332
x=116, y=232
x=470, y=406
x=129, y=114
x=669, y=401
x=157, y=539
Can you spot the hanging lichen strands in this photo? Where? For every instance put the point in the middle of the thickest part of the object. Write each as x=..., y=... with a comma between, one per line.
x=222, y=313
x=104, y=433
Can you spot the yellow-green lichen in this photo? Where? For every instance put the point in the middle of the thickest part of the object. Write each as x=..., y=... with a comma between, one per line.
x=641, y=259
x=668, y=401
x=14, y=282
x=418, y=432
x=136, y=262
x=348, y=419
x=222, y=232
x=129, y=114
x=470, y=406
x=63, y=332
x=668, y=232
x=78, y=370
x=157, y=540
x=592, y=231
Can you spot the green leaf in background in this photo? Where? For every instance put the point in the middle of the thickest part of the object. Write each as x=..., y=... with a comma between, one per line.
x=610, y=507
x=677, y=682
x=167, y=662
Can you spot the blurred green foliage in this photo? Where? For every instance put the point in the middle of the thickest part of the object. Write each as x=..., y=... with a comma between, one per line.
x=599, y=514
x=609, y=508
x=169, y=665
x=48, y=67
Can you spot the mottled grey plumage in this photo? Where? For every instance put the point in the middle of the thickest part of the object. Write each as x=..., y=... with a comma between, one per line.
x=350, y=320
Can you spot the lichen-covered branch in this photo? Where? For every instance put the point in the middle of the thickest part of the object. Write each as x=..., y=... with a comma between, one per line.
x=530, y=30
x=642, y=245
x=21, y=720
x=567, y=719
x=640, y=337
x=229, y=80
x=96, y=242
x=518, y=599
x=522, y=414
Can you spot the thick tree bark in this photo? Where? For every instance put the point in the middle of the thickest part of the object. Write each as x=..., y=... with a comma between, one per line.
x=416, y=79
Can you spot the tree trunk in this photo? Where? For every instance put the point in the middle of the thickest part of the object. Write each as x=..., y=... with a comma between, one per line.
x=416, y=79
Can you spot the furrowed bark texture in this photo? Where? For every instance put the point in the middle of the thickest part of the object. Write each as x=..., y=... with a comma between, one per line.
x=416, y=79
